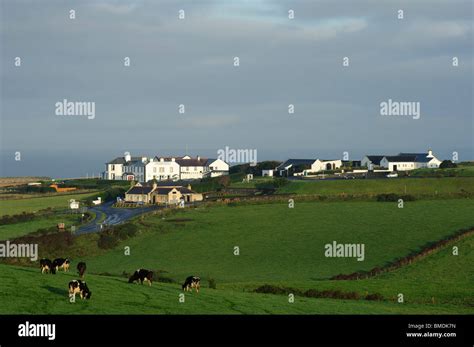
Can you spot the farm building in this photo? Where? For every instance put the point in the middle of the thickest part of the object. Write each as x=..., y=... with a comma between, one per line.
x=155, y=194
x=402, y=161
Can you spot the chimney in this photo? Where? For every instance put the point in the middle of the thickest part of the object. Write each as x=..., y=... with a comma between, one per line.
x=173, y=159
x=430, y=153
x=198, y=157
x=162, y=160
x=128, y=157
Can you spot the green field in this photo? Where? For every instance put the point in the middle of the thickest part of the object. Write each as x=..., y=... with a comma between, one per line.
x=442, y=276
x=11, y=231
x=411, y=186
x=279, y=246
x=282, y=244
x=26, y=291
x=35, y=204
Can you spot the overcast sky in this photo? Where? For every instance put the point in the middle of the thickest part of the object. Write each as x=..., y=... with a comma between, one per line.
x=190, y=62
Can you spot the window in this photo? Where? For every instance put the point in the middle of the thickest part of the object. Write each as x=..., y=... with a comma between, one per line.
x=187, y=168
x=113, y=167
x=154, y=170
x=171, y=169
x=195, y=168
x=162, y=169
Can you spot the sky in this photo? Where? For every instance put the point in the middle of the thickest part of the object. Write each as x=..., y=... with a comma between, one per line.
x=190, y=61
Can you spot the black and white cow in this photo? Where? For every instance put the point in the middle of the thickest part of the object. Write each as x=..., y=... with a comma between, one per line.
x=142, y=275
x=63, y=263
x=78, y=286
x=192, y=282
x=81, y=268
x=46, y=266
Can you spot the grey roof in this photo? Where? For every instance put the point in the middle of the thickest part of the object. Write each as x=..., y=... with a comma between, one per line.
x=121, y=160
x=295, y=162
x=191, y=162
x=140, y=190
x=375, y=159
x=135, y=163
x=419, y=157
x=401, y=158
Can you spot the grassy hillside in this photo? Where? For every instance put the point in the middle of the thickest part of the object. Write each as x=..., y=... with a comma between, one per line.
x=281, y=244
x=27, y=291
x=412, y=186
x=38, y=203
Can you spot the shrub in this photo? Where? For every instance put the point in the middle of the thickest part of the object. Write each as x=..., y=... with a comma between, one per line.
x=212, y=283
x=106, y=241
x=392, y=197
x=375, y=296
x=447, y=164
x=17, y=218
x=279, y=182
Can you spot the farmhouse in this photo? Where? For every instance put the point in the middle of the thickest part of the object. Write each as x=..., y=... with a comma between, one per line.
x=161, y=194
x=370, y=161
x=402, y=161
x=321, y=165
x=293, y=165
x=216, y=167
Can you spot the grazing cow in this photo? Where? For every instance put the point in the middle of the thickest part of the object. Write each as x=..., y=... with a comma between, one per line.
x=192, y=282
x=47, y=266
x=81, y=268
x=61, y=263
x=142, y=275
x=78, y=286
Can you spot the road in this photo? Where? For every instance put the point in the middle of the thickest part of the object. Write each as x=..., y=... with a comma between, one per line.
x=113, y=216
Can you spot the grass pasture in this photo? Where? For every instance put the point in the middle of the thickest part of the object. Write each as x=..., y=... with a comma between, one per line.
x=410, y=186
x=47, y=294
x=278, y=244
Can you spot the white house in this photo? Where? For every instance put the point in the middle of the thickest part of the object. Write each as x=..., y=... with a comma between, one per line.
x=142, y=169
x=371, y=161
x=216, y=167
x=292, y=165
x=161, y=169
x=410, y=161
x=321, y=165
x=267, y=173
x=114, y=170
x=192, y=168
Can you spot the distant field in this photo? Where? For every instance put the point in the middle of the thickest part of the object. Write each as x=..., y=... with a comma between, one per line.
x=413, y=186
x=281, y=244
x=15, y=181
x=38, y=203
x=26, y=291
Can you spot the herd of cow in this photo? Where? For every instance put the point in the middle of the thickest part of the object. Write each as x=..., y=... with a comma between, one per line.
x=79, y=286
